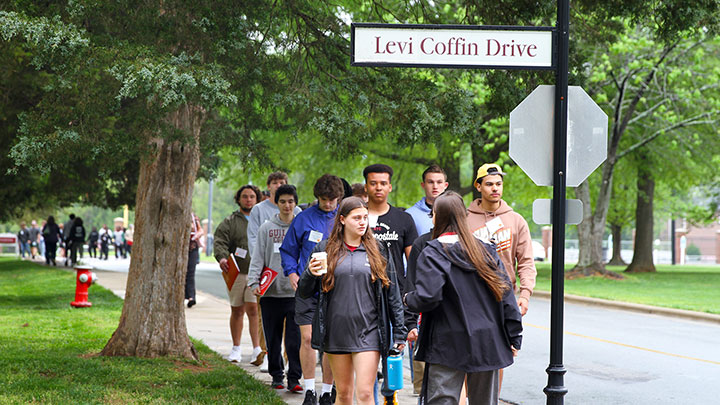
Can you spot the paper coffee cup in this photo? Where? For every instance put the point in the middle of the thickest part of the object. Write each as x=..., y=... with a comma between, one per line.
x=322, y=257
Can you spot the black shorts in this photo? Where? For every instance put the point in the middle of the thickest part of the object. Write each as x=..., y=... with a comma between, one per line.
x=305, y=310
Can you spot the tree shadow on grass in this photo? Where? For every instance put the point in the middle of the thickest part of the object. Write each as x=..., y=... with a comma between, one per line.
x=11, y=265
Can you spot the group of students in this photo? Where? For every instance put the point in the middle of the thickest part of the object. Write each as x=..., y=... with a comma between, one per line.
x=362, y=301
x=70, y=239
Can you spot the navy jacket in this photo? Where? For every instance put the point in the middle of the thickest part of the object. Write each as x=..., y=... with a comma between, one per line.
x=463, y=327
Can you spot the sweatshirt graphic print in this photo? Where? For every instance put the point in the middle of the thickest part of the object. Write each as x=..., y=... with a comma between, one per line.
x=495, y=232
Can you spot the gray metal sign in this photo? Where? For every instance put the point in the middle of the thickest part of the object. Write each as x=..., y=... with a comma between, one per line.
x=531, y=135
x=542, y=211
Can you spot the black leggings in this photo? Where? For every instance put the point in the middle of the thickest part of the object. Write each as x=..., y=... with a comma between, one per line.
x=50, y=248
x=190, y=275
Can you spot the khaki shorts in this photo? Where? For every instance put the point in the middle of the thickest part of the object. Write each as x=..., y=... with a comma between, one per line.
x=240, y=292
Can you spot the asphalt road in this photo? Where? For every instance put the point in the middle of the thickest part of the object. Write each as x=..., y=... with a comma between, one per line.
x=611, y=356
x=618, y=357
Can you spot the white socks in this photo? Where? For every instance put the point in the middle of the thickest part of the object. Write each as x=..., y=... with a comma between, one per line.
x=326, y=388
x=236, y=348
x=256, y=350
x=309, y=384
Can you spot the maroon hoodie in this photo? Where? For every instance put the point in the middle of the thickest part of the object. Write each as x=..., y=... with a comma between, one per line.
x=509, y=231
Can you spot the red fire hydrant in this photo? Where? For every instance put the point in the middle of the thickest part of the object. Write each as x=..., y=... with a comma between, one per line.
x=85, y=278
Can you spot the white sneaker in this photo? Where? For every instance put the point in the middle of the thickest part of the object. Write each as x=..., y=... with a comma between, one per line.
x=264, y=366
x=235, y=355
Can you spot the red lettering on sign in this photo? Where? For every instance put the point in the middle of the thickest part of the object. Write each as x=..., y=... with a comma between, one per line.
x=392, y=47
x=534, y=48
x=495, y=48
x=422, y=46
x=377, y=45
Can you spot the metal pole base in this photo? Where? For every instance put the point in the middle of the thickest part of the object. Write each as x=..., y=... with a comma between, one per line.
x=555, y=390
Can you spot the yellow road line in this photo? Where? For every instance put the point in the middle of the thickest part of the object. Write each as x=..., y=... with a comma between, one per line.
x=626, y=345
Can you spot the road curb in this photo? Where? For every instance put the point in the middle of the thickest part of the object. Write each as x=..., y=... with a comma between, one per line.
x=628, y=306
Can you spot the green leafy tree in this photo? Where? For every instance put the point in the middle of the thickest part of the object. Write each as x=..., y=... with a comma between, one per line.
x=131, y=83
x=621, y=213
x=655, y=92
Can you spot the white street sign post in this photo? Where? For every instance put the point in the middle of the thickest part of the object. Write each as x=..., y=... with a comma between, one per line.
x=494, y=47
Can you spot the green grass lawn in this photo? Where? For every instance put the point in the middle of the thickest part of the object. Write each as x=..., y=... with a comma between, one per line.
x=48, y=352
x=695, y=288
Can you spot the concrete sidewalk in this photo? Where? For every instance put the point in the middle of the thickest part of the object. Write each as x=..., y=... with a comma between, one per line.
x=208, y=321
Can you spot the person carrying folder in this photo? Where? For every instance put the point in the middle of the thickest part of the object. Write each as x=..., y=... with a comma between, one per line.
x=231, y=238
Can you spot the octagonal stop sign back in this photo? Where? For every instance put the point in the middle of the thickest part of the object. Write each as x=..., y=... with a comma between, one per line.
x=531, y=135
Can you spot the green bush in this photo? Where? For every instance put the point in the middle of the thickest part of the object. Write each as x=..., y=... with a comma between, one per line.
x=692, y=250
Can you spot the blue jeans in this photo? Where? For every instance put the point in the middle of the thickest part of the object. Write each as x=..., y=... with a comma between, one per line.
x=24, y=248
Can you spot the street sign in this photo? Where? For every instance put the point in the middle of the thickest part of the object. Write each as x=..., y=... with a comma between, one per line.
x=7, y=239
x=452, y=46
x=542, y=211
x=531, y=135
x=462, y=47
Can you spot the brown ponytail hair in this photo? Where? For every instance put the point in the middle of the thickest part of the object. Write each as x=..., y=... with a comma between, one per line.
x=336, y=249
x=451, y=216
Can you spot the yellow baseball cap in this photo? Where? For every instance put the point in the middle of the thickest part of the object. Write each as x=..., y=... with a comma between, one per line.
x=488, y=169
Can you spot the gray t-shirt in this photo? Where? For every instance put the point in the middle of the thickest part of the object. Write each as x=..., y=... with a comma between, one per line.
x=352, y=312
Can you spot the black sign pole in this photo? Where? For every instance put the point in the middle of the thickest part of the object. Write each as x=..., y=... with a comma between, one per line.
x=555, y=390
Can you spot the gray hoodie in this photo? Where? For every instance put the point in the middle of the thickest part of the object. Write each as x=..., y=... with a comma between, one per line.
x=266, y=253
x=259, y=214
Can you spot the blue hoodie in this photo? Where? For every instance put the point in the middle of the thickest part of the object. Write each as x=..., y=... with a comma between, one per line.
x=420, y=214
x=297, y=246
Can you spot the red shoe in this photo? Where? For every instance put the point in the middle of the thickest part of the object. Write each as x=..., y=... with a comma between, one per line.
x=294, y=386
x=277, y=384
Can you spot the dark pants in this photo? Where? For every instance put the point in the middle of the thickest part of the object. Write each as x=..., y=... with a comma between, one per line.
x=68, y=252
x=190, y=274
x=50, y=248
x=104, y=248
x=76, y=247
x=92, y=249
x=276, y=313
x=119, y=251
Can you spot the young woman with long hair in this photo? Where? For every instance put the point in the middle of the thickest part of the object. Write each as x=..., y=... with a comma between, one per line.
x=358, y=302
x=471, y=324
x=51, y=234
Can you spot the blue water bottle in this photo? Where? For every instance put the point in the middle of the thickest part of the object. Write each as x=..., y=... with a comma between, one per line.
x=395, y=370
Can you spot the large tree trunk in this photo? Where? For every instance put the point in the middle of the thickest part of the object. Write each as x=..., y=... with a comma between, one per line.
x=152, y=323
x=642, y=261
x=616, y=259
x=590, y=233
